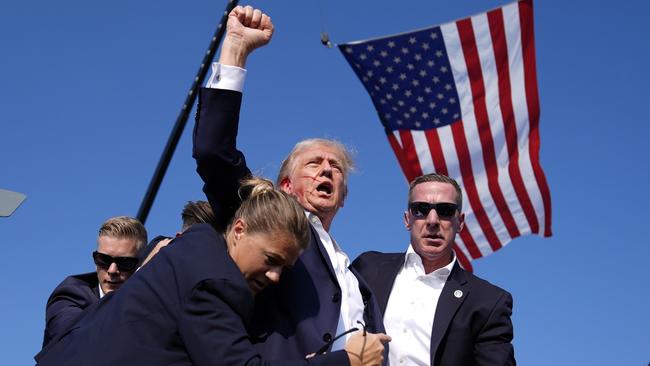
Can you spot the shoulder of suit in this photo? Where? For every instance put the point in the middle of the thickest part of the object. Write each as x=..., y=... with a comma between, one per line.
x=84, y=279
x=198, y=235
x=479, y=283
x=81, y=287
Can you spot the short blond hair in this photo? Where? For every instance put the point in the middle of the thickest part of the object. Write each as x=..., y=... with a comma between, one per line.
x=125, y=227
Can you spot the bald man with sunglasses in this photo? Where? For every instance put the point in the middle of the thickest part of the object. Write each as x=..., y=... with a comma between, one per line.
x=119, y=242
x=436, y=312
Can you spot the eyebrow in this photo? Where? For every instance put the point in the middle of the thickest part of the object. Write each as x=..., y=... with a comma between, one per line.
x=277, y=257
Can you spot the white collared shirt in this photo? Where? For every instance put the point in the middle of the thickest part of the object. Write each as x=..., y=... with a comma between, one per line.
x=411, y=308
x=351, y=300
x=226, y=77
x=101, y=292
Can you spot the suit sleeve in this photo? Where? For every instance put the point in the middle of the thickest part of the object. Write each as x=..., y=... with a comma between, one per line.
x=214, y=334
x=63, y=308
x=493, y=346
x=219, y=164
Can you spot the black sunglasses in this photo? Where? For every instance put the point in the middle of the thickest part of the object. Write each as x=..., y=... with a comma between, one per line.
x=444, y=210
x=124, y=264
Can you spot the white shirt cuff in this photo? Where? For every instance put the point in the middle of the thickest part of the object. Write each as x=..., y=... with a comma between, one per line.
x=226, y=77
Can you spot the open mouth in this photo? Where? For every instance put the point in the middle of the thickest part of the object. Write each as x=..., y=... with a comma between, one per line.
x=325, y=187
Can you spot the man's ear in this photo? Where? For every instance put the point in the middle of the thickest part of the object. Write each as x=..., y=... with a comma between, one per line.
x=285, y=185
x=406, y=221
x=461, y=222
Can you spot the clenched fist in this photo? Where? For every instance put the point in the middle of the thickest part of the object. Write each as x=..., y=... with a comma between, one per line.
x=247, y=30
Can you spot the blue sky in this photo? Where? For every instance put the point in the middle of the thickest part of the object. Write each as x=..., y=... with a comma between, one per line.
x=89, y=92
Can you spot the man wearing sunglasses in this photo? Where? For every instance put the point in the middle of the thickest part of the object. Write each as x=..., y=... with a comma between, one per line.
x=435, y=312
x=119, y=242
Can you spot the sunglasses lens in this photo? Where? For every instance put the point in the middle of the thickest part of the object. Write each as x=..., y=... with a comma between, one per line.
x=446, y=209
x=126, y=264
x=422, y=209
x=102, y=260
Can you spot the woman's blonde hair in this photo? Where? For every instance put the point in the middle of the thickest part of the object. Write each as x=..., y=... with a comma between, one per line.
x=266, y=209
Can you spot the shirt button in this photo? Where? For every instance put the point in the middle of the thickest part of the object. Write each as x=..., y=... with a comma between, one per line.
x=336, y=297
x=327, y=337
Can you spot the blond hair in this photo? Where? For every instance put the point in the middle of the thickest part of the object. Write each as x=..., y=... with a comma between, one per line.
x=288, y=164
x=266, y=209
x=125, y=227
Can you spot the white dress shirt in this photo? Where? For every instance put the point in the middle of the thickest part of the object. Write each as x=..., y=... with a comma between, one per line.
x=226, y=77
x=411, y=308
x=351, y=300
x=232, y=78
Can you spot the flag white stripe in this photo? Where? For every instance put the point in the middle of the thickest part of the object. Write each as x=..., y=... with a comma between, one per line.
x=517, y=81
x=491, y=81
x=423, y=151
x=457, y=61
x=459, y=69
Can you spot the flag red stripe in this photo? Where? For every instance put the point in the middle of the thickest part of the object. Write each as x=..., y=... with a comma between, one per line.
x=465, y=165
x=470, y=243
x=437, y=155
x=500, y=47
x=467, y=40
x=532, y=100
x=410, y=155
x=441, y=167
x=397, y=149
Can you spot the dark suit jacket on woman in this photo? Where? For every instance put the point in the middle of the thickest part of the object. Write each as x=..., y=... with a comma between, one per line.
x=300, y=314
x=472, y=322
x=189, y=306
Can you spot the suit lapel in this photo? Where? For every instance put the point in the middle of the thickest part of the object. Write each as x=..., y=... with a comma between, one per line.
x=453, y=295
x=386, y=272
x=320, y=248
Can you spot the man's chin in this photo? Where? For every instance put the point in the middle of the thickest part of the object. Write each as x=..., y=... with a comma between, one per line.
x=111, y=287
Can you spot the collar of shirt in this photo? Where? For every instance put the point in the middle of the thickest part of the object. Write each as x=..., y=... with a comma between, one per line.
x=339, y=259
x=413, y=263
x=101, y=293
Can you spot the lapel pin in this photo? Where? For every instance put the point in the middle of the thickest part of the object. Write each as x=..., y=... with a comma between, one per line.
x=458, y=294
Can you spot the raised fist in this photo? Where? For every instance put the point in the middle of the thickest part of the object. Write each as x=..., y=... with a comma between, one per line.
x=247, y=30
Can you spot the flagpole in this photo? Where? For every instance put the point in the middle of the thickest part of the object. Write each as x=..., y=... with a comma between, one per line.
x=181, y=120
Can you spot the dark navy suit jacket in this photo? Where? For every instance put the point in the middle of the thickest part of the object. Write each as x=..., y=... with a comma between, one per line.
x=300, y=314
x=72, y=296
x=470, y=327
x=68, y=301
x=189, y=306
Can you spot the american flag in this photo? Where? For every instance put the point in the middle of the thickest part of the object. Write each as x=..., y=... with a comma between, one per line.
x=461, y=99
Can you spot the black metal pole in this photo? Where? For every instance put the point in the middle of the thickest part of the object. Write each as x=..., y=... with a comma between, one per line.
x=177, y=131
